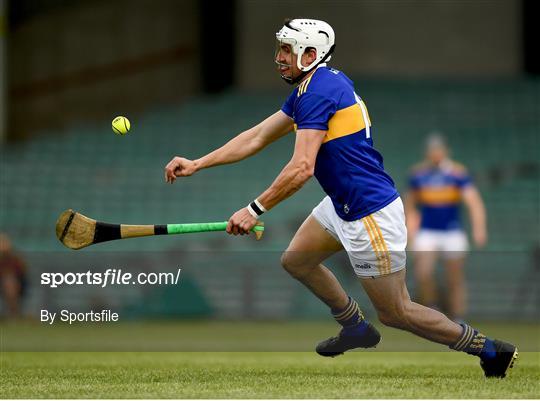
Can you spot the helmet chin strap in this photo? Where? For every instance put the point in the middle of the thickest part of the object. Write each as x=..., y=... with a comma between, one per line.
x=292, y=81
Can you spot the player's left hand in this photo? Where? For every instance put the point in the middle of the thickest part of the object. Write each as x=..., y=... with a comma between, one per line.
x=241, y=222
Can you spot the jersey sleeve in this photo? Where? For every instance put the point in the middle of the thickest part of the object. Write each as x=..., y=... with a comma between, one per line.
x=463, y=180
x=414, y=182
x=288, y=106
x=313, y=111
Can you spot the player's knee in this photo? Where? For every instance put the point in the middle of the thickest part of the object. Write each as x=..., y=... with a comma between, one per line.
x=293, y=266
x=286, y=260
x=455, y=282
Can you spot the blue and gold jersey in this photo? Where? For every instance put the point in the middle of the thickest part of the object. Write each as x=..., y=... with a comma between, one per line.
x=438, y=192
x=348, y=167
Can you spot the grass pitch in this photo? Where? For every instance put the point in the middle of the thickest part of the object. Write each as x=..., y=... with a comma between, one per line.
x=276, y=374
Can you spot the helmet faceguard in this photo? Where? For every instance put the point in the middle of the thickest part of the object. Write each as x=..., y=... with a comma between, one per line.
x=303, y=34
x=279, y=48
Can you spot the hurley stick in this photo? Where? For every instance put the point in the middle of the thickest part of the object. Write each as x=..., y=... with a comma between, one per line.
x=77, y=231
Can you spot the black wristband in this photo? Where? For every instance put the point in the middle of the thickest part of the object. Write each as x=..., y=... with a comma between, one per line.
x=256, y=208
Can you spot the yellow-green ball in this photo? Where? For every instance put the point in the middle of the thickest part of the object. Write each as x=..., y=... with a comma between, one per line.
x=121, y=125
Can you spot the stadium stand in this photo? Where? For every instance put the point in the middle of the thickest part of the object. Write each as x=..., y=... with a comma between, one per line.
x=493, y=127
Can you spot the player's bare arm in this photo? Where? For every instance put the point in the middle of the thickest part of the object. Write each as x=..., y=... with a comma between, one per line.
x=411, y=214
x=240, y=147
x=298, y=171
x=477, y=214
x=293, y=176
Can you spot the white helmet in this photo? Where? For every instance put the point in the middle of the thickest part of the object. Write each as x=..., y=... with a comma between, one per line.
x=308, y=33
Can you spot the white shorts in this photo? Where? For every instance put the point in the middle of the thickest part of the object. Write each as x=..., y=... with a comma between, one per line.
x=452, y=244
x=375, y=243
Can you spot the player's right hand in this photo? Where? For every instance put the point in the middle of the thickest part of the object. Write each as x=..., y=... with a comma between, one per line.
x=479, y=237
x=179, y=167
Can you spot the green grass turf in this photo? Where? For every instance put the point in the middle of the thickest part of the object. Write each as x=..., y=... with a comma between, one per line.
x=277, y=374
x=260, y=375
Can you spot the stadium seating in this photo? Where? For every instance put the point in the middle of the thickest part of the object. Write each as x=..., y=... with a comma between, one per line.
x=492, y=127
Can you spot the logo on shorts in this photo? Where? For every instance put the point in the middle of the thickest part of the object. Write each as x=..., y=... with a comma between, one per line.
x=363, y=266
x=346, y=208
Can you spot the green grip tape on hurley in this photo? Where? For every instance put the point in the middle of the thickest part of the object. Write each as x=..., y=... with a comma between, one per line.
x=202, y=227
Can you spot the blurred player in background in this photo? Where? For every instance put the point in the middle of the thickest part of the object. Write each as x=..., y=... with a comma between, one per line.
x=12, y=277
x=438, y=186
x=362, y=213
